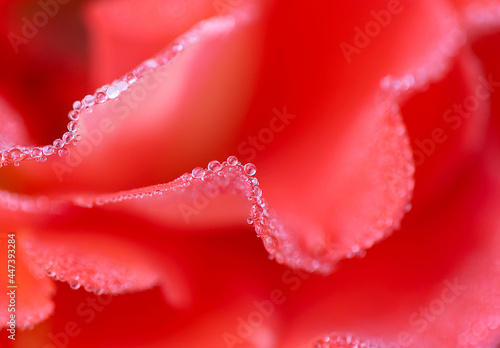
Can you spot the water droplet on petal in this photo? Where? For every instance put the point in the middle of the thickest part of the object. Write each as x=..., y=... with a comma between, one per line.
x=186, y=177
x=215, y=166
x=100, y=97
x=72, y=126
x=232, y=160
x=74, y=285
x=256, y=212
x=270, y=244
x=151, y=63
x=58, y=143
x=250, y=169
x=73, y=115
x=36, y=152
x=63, y=152
x=112, y=92
x=88, y=100
x=131, y=78
x=67, y=137
x=198, y=172
x=257, y=191
x=122, y=85
x=48, y=150
x=77, y=105
x=15, y=155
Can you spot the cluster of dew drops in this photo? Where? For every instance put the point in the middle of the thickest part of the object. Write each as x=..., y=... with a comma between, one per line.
x=279, y=244
x=236, y=178
x=14, y=154
x=341, y=341
x=266, y=227
x=240, y=179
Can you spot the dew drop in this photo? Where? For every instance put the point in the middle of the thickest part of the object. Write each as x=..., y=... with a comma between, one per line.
x=214, y=166
x=122, y=85
x=131, y=78
x=257, y=191
x=178, y=47
x=112, y=92
x=270, y=244
x=58, y=143
x=72, y=126
x=100, y=97
x=16, y=155
x=74, y=285
x=73, y=115
x=89, y=100
x=77, y=105
x=250, y=169
x=198, y=172
x=232, y=160
x=186, y=177
x=256, y=211
x=63, y=152
x=250, y=221
x=48, y=150
x=36, y=152
x=67, y=137
x=151, y=63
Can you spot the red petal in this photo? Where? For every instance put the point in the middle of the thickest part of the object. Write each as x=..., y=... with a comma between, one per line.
x=12, y=128
x=97, y=263
x=31, y=300
x=447, y=126
x=479, y=16
x=153, y=115
x=43, y=60
x=435, y=283
x=124, y=33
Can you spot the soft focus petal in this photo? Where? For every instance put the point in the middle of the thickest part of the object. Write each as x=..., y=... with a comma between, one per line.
x=439, y=287
x=357, y=187
x=31, y=298
x=12, y=128
x=447, y=126
x=124, y=33
x=479, y=16
x=149, y=126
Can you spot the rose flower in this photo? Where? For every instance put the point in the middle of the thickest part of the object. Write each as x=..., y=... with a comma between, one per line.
x=358, y=141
